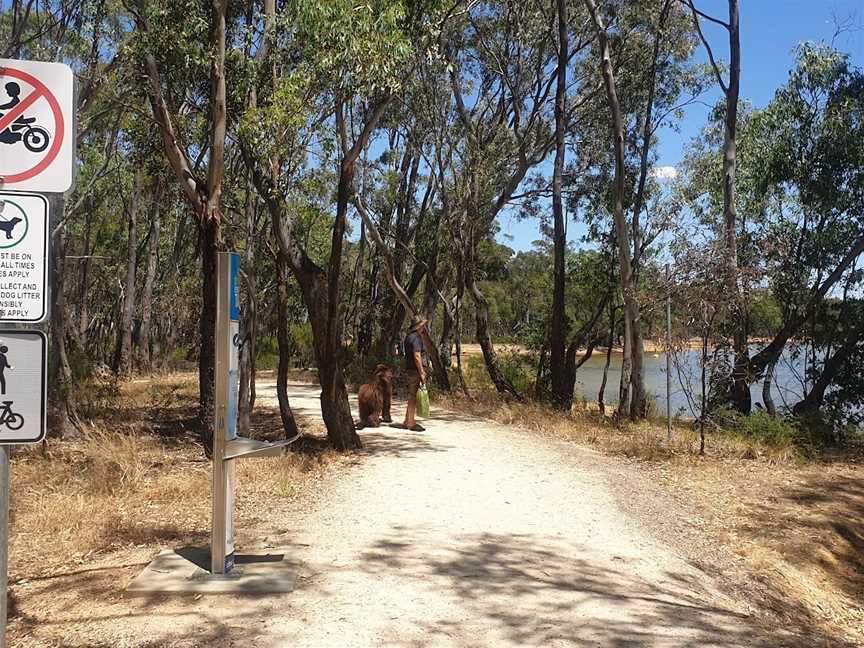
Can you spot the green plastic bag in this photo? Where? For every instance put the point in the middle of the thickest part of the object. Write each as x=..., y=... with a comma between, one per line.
x=422, y=401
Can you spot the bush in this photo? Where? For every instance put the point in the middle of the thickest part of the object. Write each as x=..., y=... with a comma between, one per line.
x=762, y=427
x=517, y=369
x=303, y=351
x=267, y=353
x=178, y=358
x=727, y=419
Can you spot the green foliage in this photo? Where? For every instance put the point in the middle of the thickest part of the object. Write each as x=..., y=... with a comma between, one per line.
x=766, y=317
x=769, y=430
x=363, y=47
x=518, y=368
x=267, y=353
x=302, y=351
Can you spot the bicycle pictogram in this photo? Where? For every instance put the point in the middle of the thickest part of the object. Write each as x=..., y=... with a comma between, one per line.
x=9, y=418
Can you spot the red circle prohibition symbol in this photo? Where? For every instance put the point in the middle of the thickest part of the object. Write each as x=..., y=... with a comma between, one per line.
x=43, y=93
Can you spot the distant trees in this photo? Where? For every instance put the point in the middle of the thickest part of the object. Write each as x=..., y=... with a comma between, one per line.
x=800, y=234
x=362, y=160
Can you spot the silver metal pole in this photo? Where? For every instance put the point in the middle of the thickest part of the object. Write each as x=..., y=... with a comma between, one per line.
x=221, y=520
x=4, y=540
x=668, y=354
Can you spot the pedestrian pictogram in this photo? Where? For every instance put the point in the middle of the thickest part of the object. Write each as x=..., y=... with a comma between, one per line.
x=23, y=257
x=36, y=113
x=22, y=386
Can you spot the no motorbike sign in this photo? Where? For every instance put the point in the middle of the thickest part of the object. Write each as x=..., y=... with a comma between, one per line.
x=36, y=132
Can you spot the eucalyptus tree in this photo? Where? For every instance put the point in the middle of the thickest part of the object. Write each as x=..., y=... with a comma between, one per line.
x=639, y=101
x=503, y=67
x=172, y=62
x=350, y=61
x=731, y=90
x=800, y=203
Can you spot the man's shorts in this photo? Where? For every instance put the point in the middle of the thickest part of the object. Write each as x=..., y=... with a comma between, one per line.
x=412, y=382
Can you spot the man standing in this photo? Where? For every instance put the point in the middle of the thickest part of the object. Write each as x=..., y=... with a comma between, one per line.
x=416, y=361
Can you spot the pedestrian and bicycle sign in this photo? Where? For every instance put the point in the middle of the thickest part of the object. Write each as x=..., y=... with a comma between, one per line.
x=23, y=257
x=23, y=356
x=36, y=126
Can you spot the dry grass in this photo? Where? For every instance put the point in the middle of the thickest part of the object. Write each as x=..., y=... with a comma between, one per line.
x=645, y=440
x=136, y=478
x=797, y=525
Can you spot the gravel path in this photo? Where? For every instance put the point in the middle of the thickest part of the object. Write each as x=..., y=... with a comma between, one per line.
x=474, y=534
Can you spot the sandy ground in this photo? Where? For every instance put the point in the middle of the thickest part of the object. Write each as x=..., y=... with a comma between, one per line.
x=470, y=534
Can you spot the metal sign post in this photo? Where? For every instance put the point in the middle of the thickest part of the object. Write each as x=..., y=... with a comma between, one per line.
x=668, y=355
x=37, y=154
x=4, y=547
x=227, y=327
x=227, y=446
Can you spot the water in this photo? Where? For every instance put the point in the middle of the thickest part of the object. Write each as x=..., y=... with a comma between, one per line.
x=787, y=388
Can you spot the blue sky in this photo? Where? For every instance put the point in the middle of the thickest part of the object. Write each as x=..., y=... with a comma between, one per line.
x=770, y=31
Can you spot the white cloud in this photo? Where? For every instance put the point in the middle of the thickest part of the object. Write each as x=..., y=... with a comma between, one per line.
x=665, y=172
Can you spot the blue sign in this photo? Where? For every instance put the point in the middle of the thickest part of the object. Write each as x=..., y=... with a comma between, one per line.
x=234, y=312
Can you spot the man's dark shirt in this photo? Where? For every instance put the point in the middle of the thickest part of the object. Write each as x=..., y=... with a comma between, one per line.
x=414, y=343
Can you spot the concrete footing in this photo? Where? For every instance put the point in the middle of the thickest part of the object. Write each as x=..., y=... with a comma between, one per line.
x=186, y=570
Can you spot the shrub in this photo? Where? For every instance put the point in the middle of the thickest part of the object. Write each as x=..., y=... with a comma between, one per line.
x=303, y=351
x=517, y=368
x=267, y=353
x=727, y=419
x=763, y=427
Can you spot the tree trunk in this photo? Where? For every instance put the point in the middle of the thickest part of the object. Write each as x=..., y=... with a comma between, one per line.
x=204, y=198
x=741, y=387
x=313, y=280
x=123, y=354
x=249, y=318
x=632, y=332
x=144, y=341
x=611, y=340
x=584, y=338
x=211, y=229
x=815, y=398
x=561, y=397
x=335, y=408
x=445, y=346
x=84, y=287
x=767, y=399
x=638, y=395
x=62, y=415
x=540, y=382
x=457, y=317
x=481, y=320
x=289, y=423
x=639, y=403
x=210, y=242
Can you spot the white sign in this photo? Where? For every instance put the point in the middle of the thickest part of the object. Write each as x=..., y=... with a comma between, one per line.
x=36, y=126
x=23, y=356
x=23, y=257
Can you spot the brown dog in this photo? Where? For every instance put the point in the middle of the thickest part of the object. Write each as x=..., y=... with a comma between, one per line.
x=375, y=396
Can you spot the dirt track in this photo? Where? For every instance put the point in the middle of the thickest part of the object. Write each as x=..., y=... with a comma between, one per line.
x=472, y=534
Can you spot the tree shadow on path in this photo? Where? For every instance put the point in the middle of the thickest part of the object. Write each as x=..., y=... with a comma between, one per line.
x=540, y=590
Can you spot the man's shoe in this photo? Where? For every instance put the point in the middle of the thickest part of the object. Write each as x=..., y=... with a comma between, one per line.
x=417, y=428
